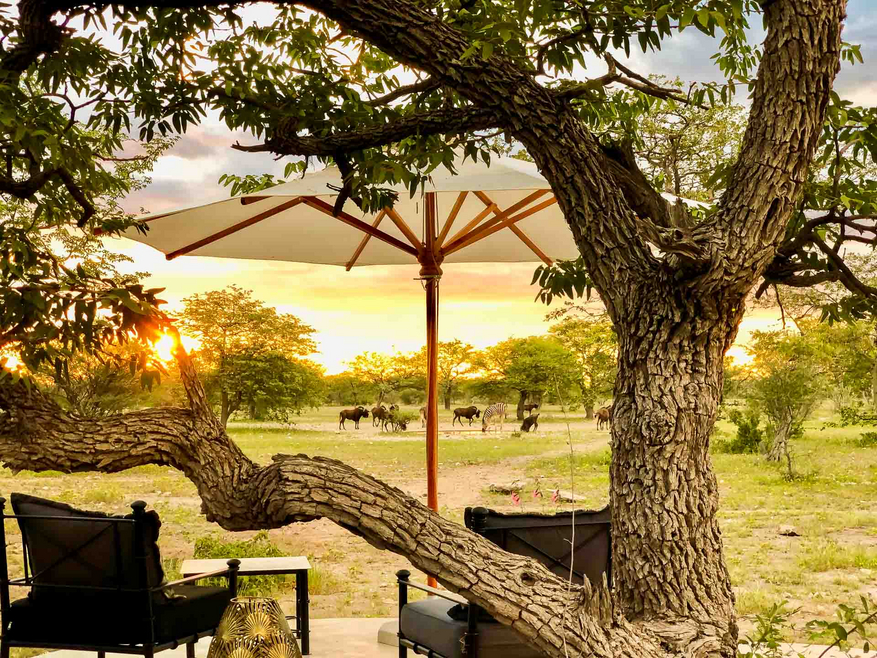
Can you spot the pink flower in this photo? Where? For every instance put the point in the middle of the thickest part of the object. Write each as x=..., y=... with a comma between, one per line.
x=555, y=496
x=537, y=493
x=516, y=499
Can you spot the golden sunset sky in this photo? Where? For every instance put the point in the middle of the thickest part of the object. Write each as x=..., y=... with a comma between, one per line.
x=375, y=308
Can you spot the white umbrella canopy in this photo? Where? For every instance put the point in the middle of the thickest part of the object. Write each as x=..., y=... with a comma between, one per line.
x=501, y=213
x=277, y=224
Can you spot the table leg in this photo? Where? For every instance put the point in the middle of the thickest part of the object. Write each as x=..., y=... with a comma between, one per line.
x=302, y=616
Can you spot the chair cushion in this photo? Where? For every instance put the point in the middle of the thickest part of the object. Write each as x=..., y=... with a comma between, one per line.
x=85, y=553
x=428, y=623
x=106, y=624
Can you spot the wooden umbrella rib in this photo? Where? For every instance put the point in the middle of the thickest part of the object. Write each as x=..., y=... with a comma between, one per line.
x=487, y=201
x=365, y=240
x=255, y=219
x=325, y=208
x=480, y=234
x=499, y=215
x=532, y=245
x=458, y=204
x=403, y=226
x=472, y=224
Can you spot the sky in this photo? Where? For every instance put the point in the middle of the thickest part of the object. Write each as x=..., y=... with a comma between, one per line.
x=382, y=308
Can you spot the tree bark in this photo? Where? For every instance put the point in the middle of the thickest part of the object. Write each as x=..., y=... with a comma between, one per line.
x=670, y=567
x=447, y=398
x=589, y=411
x=874, y=386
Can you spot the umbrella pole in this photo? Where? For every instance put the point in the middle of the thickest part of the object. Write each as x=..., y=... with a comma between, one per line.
x=431, y=272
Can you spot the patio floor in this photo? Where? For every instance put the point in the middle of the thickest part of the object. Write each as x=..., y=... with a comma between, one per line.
x=335, y=638
x=358, y=638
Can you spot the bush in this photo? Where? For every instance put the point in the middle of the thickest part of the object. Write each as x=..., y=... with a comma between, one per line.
x=749, y=435
x=259, y=546
x=867, y=440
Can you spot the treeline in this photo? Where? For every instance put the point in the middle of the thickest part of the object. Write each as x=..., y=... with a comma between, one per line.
x=255, y=363
x=573, y=364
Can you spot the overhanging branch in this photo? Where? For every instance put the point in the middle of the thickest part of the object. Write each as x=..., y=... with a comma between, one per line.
x=287, y=141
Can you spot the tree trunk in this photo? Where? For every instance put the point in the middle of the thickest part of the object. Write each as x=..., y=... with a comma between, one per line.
x=447, y=397
x=779, y=448
x=238, y=494
x=522, y=400
x=224, y=408
x=667, y=548
x=589, y=411
x=874, y=386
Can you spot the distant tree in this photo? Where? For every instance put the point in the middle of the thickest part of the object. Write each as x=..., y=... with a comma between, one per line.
x=243, y=343
x=454, y=361
x=682, y=147
x=593, y=344
x=345, y=389
x=527, y=366
x=788, y=384
x=387, y=373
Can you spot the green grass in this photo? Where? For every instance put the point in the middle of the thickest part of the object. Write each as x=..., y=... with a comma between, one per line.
x=833, y=508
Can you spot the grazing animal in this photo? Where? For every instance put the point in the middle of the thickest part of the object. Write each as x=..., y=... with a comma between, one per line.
x=493, y=413
x=394, y=420
x=377, y=414
x=531, y=422
x=352, y=414
x=466, y=412
x=604, y=417
x=530, y=407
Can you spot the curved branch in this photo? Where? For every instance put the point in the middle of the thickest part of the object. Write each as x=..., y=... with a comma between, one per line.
x=429, y=84
x=287, y=141
x=551, y=614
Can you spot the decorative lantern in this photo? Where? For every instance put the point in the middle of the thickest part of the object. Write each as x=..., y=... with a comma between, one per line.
x=253, y=627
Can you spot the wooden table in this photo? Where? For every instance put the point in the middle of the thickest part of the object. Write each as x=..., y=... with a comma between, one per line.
x=269, y=566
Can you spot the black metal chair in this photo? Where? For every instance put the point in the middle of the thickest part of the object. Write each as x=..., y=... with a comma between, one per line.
x=446, y=626
x=97, y=584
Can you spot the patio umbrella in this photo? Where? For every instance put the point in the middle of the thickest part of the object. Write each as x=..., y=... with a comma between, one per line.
x=502, y=213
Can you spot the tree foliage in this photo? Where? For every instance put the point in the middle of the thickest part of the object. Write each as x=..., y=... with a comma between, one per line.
x=253, y=356
x=593, y=344
x=528, y=367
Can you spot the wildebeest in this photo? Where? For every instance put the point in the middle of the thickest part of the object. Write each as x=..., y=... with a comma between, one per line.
x=352, y=414
x=465, y=412
x=377, y=414
x=531, y=422
x=530, y=407
x=604, y=417
x=394, y=419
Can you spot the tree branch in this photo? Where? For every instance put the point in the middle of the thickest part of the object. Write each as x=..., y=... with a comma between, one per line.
x=286, y=140
x=429, y=84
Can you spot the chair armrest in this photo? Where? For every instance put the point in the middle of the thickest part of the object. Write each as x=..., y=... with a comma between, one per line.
x=450, y=596
x=230, y=573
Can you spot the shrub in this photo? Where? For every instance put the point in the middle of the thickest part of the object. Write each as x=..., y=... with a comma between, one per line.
x=259, y=546
x=867, y=440
x=749, y=436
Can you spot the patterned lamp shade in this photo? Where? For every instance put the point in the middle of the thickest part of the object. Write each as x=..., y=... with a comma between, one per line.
x=253, y=628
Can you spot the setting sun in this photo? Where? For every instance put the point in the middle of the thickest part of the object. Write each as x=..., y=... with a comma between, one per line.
x=163, y=348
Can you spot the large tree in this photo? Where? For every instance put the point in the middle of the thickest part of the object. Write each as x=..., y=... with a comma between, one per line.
x=526, y=367
x=454, y=361
x=322, y=79
x=252, y=354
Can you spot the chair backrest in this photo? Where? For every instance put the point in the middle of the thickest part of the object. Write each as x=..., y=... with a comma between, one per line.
x=580, y=540
x=68, y=549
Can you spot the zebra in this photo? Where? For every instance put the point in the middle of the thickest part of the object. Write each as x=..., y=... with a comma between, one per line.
x=497, y=410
